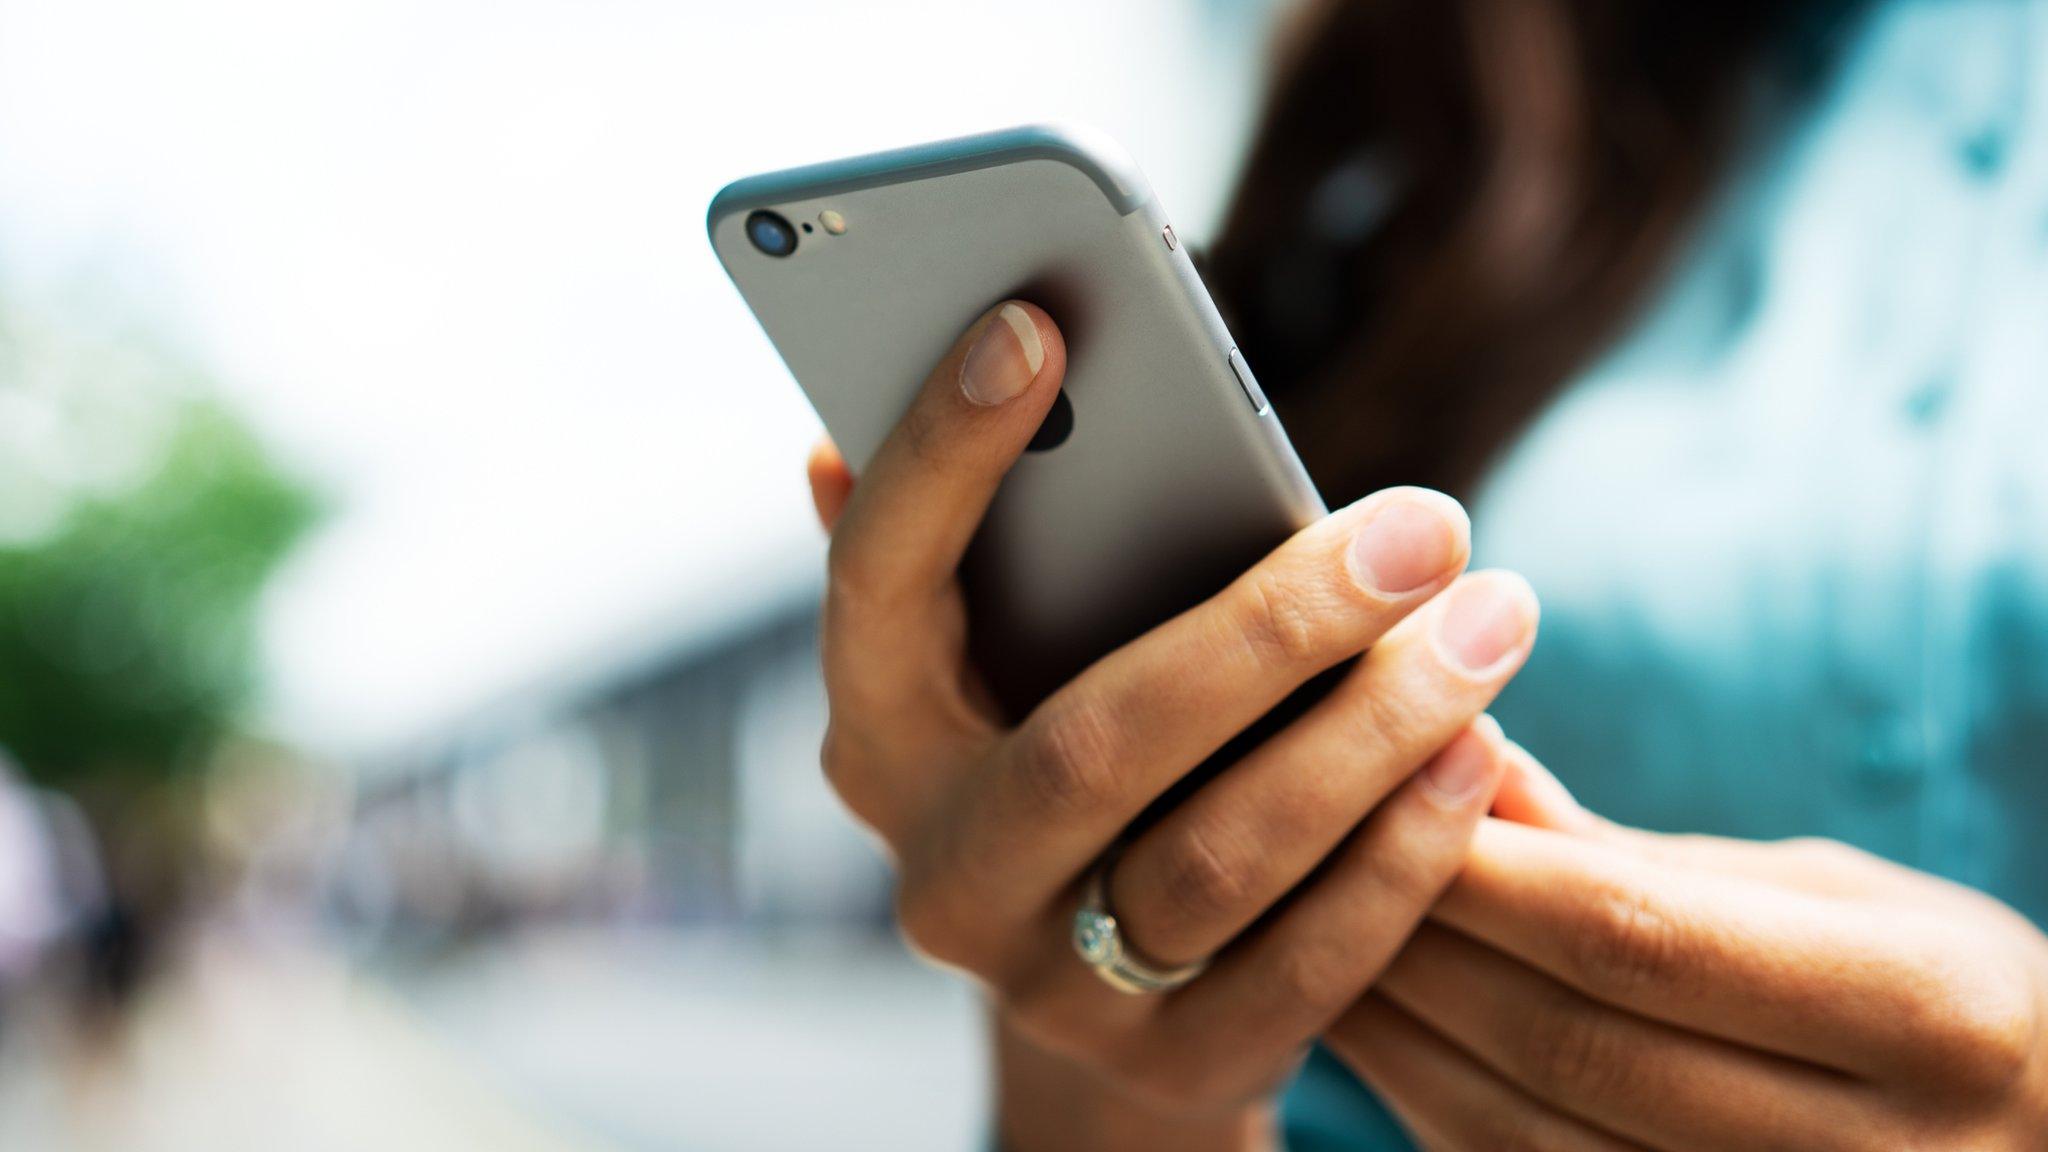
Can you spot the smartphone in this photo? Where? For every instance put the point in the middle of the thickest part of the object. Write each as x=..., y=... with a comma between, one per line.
x=1161, y=472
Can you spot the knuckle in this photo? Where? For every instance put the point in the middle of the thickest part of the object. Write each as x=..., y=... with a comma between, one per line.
x=849, y=766
x=923, y=433
x=1066, y=762
x=1818, y=848
x=851, y=588
x=1304, y=809
x=863, y=582
x=1630, y=944
x=926, y=920
x=1203, y=882
x=1982, y=1026
x=1321, y=978
x=1409, y=875
x=843, y=572
x=1824, y=855
x=843, y=765
x=1034, y=1000
x=1393, y=719
x=1039, y=1004
x=839, y=664
x=1161, y=1092
x=1280, y=619
x=1570, y=1052
x=1168, y=1078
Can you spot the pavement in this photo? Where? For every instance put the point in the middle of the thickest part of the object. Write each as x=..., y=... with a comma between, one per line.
x=560, y=1041
x=661, y=1041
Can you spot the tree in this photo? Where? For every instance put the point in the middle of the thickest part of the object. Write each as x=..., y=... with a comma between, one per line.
x=139, y=521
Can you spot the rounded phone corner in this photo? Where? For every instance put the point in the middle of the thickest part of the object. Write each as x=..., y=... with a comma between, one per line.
x=730, y=200
x=1095, y=154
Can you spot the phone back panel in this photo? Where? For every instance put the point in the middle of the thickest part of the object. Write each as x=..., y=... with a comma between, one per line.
x=1173, y=480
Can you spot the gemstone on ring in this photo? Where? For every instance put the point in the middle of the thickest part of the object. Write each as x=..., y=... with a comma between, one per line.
x=1095, y=936
x=1099, y=942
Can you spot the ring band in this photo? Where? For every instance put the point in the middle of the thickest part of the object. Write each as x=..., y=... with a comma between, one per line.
x=1100, y=944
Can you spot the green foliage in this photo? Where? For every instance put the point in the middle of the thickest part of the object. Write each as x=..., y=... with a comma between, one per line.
x=127, y=620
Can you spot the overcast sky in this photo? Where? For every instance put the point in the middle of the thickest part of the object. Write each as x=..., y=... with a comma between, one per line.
x=450, y=255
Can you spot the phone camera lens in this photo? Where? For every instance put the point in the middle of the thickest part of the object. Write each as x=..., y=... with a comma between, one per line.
x=771, y=233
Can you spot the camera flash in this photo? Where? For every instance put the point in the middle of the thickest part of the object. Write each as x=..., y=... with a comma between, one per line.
x=833, y=222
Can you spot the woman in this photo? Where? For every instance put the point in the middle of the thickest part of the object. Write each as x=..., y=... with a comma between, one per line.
x=1729, y=322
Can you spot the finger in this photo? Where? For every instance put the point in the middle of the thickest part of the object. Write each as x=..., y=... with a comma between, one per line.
x=1233, y=849
x=1285, y=981
x=1763, y=965
x=1530, y=794
x=1673, y=1090
x=831, y=482
x=921, y=498
x=1814, y=866
x=1809, y=864
x=1445, y=1097
x=1089, y=759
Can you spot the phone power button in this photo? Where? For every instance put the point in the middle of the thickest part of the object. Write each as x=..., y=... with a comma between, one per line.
x=1248, y=382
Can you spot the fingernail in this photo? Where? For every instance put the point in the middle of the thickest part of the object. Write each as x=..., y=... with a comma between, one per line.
x=1488, y=616
x=1408, y=543
x=1458, y=772
x=1004, y=361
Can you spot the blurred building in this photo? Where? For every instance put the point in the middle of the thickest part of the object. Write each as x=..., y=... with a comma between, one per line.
x=682, y=789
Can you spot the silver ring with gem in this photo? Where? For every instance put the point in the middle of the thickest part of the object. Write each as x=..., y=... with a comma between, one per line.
x=1100, y=945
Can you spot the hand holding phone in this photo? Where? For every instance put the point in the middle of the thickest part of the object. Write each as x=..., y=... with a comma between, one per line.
x=1273, y=867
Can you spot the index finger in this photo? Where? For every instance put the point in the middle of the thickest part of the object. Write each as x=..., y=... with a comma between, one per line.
x=1781, y=970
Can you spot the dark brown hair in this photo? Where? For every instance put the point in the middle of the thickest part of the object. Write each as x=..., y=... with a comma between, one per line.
x=1450, y=205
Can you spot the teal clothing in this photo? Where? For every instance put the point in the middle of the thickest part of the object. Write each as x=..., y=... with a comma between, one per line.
x=1791, y=536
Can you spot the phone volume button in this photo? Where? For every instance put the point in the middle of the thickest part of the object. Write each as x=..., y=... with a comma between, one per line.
x=1248, y=382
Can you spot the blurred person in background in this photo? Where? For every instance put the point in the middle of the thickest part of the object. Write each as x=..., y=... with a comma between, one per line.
x=1728, y=323
x=32, y=907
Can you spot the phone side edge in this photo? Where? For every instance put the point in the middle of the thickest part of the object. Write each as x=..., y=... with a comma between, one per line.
x=1283, y=465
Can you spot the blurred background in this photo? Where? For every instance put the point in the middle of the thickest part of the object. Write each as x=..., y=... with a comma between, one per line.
x=407, y=715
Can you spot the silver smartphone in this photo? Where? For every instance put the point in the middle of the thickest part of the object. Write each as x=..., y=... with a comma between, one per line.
x=1160, y=474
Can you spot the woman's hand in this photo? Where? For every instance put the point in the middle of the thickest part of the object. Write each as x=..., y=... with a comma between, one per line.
x=1584, y=985
x=994, y=827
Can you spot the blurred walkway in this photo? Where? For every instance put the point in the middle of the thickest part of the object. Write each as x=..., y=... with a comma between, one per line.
x=706, y=1042
x=564, y=1042
x=262, y=1052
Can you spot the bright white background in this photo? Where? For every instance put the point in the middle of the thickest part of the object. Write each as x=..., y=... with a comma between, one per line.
x=450, y=255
